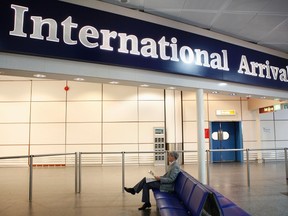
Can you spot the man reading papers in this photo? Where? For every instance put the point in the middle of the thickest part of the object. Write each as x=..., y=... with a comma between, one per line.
x=164, y=183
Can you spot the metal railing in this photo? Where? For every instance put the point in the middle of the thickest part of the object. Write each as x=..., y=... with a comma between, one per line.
x=247, y=160
x=78, y=163
x=165, y=161
x=122, y=162
x=30, y=158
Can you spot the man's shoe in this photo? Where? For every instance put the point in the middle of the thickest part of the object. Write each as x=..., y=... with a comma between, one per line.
x=130, y=190
x=145, y=205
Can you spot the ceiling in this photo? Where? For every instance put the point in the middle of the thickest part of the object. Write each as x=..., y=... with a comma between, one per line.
x=263, y=22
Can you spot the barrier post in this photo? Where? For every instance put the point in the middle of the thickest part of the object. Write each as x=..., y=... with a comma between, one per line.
x=76, y=173
x=123, y=171
x=80, y=173
x=207, y=167
x=286, y=165
x=166, y=160
x=248, y=167
x=30, y=178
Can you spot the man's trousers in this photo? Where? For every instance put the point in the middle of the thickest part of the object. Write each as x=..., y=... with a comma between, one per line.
x=142, y=185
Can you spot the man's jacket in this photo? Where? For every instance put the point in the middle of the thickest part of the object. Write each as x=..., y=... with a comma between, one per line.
x=167, y=181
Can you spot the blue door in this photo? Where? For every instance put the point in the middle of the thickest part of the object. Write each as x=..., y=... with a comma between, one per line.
x=226, y=135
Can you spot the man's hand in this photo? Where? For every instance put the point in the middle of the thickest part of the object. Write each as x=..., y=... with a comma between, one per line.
x=157, y=178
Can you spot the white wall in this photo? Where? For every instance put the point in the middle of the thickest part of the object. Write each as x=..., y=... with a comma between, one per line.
x=273, y=127
x=40, y=117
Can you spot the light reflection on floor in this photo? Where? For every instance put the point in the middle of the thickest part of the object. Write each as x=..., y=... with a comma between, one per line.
x=101, y=189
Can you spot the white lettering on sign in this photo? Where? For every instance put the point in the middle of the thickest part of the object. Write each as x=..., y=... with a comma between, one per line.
x=91, y=37
x=267, y=71
x=164, y=49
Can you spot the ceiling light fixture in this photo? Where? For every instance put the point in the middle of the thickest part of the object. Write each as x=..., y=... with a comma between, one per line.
x=114, y=82
x=222, y=84
x=39, y=75
x=144, y=85
x=123, y=1
x=79, y=79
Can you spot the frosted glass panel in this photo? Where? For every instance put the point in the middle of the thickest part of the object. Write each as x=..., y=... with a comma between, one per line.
x=48, y=149
x=151, y=94
x=83, y=148
x=190, y=131
x=282, y=144
x=15, y=91
x=48, y=91
x=86, y=111
x=266, y=116
x=281, y=128
x=14, y=151
x=120, y=148
x=281, y=115
x=146, y=131
x=151, y=111
x=189, y=95
x=119, y=111
x=146, y=147
x=267, y=130
x=117, y=92
x=120, y=133
x=84, y=91
x=78, y=133
x=18, y=112
x=48, y=133
x=14, y=133
x=48, y=111
x=189, y=111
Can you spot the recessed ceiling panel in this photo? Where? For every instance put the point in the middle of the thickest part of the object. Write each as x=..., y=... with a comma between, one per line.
x=163, y=5
x=261, y=26
x=205, y=4
x=197, y=18
x=247, y=5
x=278, y=35
x=278, y=6
x=232, y=23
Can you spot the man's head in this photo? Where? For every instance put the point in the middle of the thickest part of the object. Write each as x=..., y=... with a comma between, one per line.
x=173, y=155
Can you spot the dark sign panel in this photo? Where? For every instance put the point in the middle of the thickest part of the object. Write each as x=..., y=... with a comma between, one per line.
x=61, y=30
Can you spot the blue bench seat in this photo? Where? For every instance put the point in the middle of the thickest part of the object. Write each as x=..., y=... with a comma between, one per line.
x=192, y=198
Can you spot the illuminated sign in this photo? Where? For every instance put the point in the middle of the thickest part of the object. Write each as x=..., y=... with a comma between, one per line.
x=40, y=28
x=225, y=112
x=266, y=109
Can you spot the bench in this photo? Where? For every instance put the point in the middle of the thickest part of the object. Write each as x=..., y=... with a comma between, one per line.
x=226, y=206
x=190, y=197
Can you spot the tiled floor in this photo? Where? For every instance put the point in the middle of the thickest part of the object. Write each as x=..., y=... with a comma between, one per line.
x=54, y=190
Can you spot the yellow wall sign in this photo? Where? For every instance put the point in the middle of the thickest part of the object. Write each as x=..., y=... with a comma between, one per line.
x=225, y=112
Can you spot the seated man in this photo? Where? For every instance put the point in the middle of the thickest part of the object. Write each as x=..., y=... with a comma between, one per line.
x=164, y=183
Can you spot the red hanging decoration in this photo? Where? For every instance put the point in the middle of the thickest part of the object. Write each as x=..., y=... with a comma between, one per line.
x=66, y=88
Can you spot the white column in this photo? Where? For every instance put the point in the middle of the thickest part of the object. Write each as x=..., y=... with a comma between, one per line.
x=258, y=135
x=202, y=175
x=174, y=120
